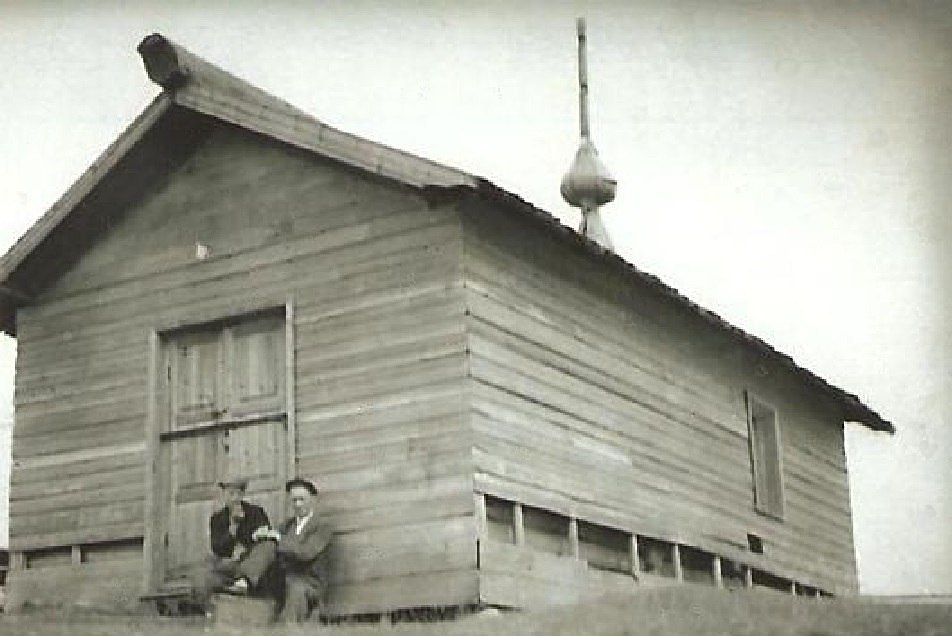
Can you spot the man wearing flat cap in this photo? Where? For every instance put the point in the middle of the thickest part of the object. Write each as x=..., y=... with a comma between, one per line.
x=242, y=557
x=303, y=542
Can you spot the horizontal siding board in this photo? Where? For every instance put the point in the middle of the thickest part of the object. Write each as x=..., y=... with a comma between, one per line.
x=592, y=479
x=434, y=402
x=515, y=283
x=431, y=466
x=372, y=384
x=451, y=588
x=107, y=586
x=116, y=458
x=359, y=356
x=421, y=546
x=670, y=443
x=88, y=436
x=409, y=493
x=67, y=501
x=227, y=276
x=514, y=576
x=404, y=443
x=614, y=366
x=455, y=503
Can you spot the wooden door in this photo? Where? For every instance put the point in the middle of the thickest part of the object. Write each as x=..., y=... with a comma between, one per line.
x=226, y=417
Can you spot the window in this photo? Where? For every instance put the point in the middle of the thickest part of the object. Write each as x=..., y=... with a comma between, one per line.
x=765, y=457
x=604, y=548
x=499, y=520
x=546, y=531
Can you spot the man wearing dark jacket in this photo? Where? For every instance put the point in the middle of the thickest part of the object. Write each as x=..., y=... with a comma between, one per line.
x=242, y=558
x=303, y=542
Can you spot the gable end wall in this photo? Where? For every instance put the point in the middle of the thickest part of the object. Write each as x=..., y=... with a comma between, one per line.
x=374, y=277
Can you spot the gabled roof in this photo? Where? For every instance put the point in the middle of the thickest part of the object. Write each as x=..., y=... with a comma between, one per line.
x=193, y=84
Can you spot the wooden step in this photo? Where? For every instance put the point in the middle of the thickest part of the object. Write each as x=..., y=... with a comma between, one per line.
x=242, y=610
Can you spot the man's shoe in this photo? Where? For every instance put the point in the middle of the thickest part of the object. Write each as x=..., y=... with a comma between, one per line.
x=239, y=586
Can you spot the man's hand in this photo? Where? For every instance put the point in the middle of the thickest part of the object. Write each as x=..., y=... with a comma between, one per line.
x=235, y=514
x=238, y=552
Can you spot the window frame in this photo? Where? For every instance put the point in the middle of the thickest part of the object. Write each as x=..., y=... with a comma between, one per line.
x=773, y=478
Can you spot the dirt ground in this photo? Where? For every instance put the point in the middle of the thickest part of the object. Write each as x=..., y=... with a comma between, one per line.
x=666, y=612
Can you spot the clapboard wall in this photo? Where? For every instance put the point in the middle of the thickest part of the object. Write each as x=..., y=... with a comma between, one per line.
x=595, y=398
x=373, y=274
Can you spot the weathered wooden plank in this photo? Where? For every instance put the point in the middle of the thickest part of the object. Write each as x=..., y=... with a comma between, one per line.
x=517, y=576
x=651, y=466
x=262, y=175
x=124, y=431
x=113, y=513
x=453, y=504
x=399, y=550
x=435, y=589
x=110, y=586
x=410, y=492
x=657, y=524
x=653, y=512
x=369, y=452
x=226, y=277
x=688, y=510
x=429, y=467
x=349, y=307
x=350, y=358
x=584, y=400
x=82, y=389
x=112, y=532
x=434, y=402
x=619, y=365
x=90, y=359
x=371, y=384
x=409, y=402
x=652, y=471
x=331, y=346
x=638, y=327
x=67, y=466
x=88, y=481
x=65, y=501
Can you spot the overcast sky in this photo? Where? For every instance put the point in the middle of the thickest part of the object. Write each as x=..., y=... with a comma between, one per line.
x=782, y=163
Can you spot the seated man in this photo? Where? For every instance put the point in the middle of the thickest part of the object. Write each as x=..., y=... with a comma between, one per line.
x=302, y=552
x=242, y=557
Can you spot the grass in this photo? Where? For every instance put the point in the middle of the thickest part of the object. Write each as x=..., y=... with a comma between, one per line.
x=654, y=612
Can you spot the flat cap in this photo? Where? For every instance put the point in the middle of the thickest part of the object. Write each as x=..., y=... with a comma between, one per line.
x=300, y=481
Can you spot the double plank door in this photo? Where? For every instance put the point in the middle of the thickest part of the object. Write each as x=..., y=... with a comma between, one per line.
x=225, y=415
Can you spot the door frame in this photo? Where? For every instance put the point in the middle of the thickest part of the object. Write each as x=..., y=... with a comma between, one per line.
x=158, y=412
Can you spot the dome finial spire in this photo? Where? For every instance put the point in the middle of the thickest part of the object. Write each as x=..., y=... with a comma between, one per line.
x=587, y=184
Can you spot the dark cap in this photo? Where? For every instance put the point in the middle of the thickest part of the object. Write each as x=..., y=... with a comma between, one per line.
x=303, y=483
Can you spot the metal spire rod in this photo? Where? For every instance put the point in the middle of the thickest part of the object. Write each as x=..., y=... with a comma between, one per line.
x=582, y=79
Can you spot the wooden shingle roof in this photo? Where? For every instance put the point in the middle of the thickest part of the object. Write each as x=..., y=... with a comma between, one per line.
x=193, y=84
